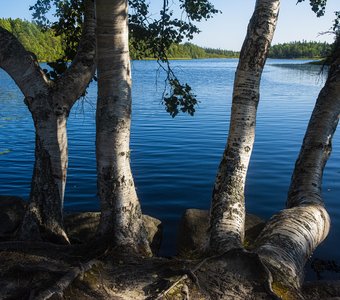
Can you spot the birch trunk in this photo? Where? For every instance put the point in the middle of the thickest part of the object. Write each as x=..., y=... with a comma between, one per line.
x=49, y=103
x=291, y=236
x=43, y=218
x=121, y=216
x=228, y=207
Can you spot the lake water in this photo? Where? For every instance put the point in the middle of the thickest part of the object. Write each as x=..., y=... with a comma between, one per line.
x=174, y=161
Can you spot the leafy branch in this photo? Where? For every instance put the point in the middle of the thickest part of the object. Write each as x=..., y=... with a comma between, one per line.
x=147, y=35
x=319, y=7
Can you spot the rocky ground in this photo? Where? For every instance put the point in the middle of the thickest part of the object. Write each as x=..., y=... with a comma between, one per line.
x=91, y=270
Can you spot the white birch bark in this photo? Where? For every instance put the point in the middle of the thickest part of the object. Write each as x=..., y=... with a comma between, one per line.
x=228, y=208
x=290, y=237
x=49, y=103
x=121, y=217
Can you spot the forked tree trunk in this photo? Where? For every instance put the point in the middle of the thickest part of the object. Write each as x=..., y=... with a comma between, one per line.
x=49, y=103
x=290, y=237
x=121, y=216
x=228, y=207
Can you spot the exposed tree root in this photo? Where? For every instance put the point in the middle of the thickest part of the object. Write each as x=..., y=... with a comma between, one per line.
x=33, y=274
x=61, y=285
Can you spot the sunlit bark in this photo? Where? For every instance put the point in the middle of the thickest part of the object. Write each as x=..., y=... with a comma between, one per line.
x=228, y=208
x=290, y=237
x=49, y=103
x=121, y=217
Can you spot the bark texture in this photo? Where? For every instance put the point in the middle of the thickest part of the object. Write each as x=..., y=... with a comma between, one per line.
x=49, y=103
x=290, y=238
x=288, y=241
x=306, y=181
x=121, y=216
x=228, y=207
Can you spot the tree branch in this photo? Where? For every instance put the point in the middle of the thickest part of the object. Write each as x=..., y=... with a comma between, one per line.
x=76, y=78
x=22, y=66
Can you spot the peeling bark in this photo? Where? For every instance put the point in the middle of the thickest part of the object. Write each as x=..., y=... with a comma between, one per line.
x=290, y=238
x=49, y=103
x=228, y=208
x=121, y=216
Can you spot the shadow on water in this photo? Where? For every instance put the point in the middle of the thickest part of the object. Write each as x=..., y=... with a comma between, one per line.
x=311, y=68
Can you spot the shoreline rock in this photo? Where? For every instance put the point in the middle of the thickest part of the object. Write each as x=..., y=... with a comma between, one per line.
x=193, y=232
x=80, y=226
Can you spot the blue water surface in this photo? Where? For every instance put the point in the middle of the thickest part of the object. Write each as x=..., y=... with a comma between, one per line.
x=174, y=161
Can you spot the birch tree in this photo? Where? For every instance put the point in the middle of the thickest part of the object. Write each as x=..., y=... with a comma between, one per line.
x=292, y=235
x=273, y=267
x=50, y=103
x=121, y=216
x=51, y=107
x=228, y=203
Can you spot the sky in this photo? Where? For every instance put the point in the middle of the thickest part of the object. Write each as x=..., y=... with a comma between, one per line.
x=227, y=30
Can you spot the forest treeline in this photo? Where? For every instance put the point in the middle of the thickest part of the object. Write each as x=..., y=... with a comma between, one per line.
x=192, y=51
x=47, y=47
x=44, y=44
x=300, y=49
